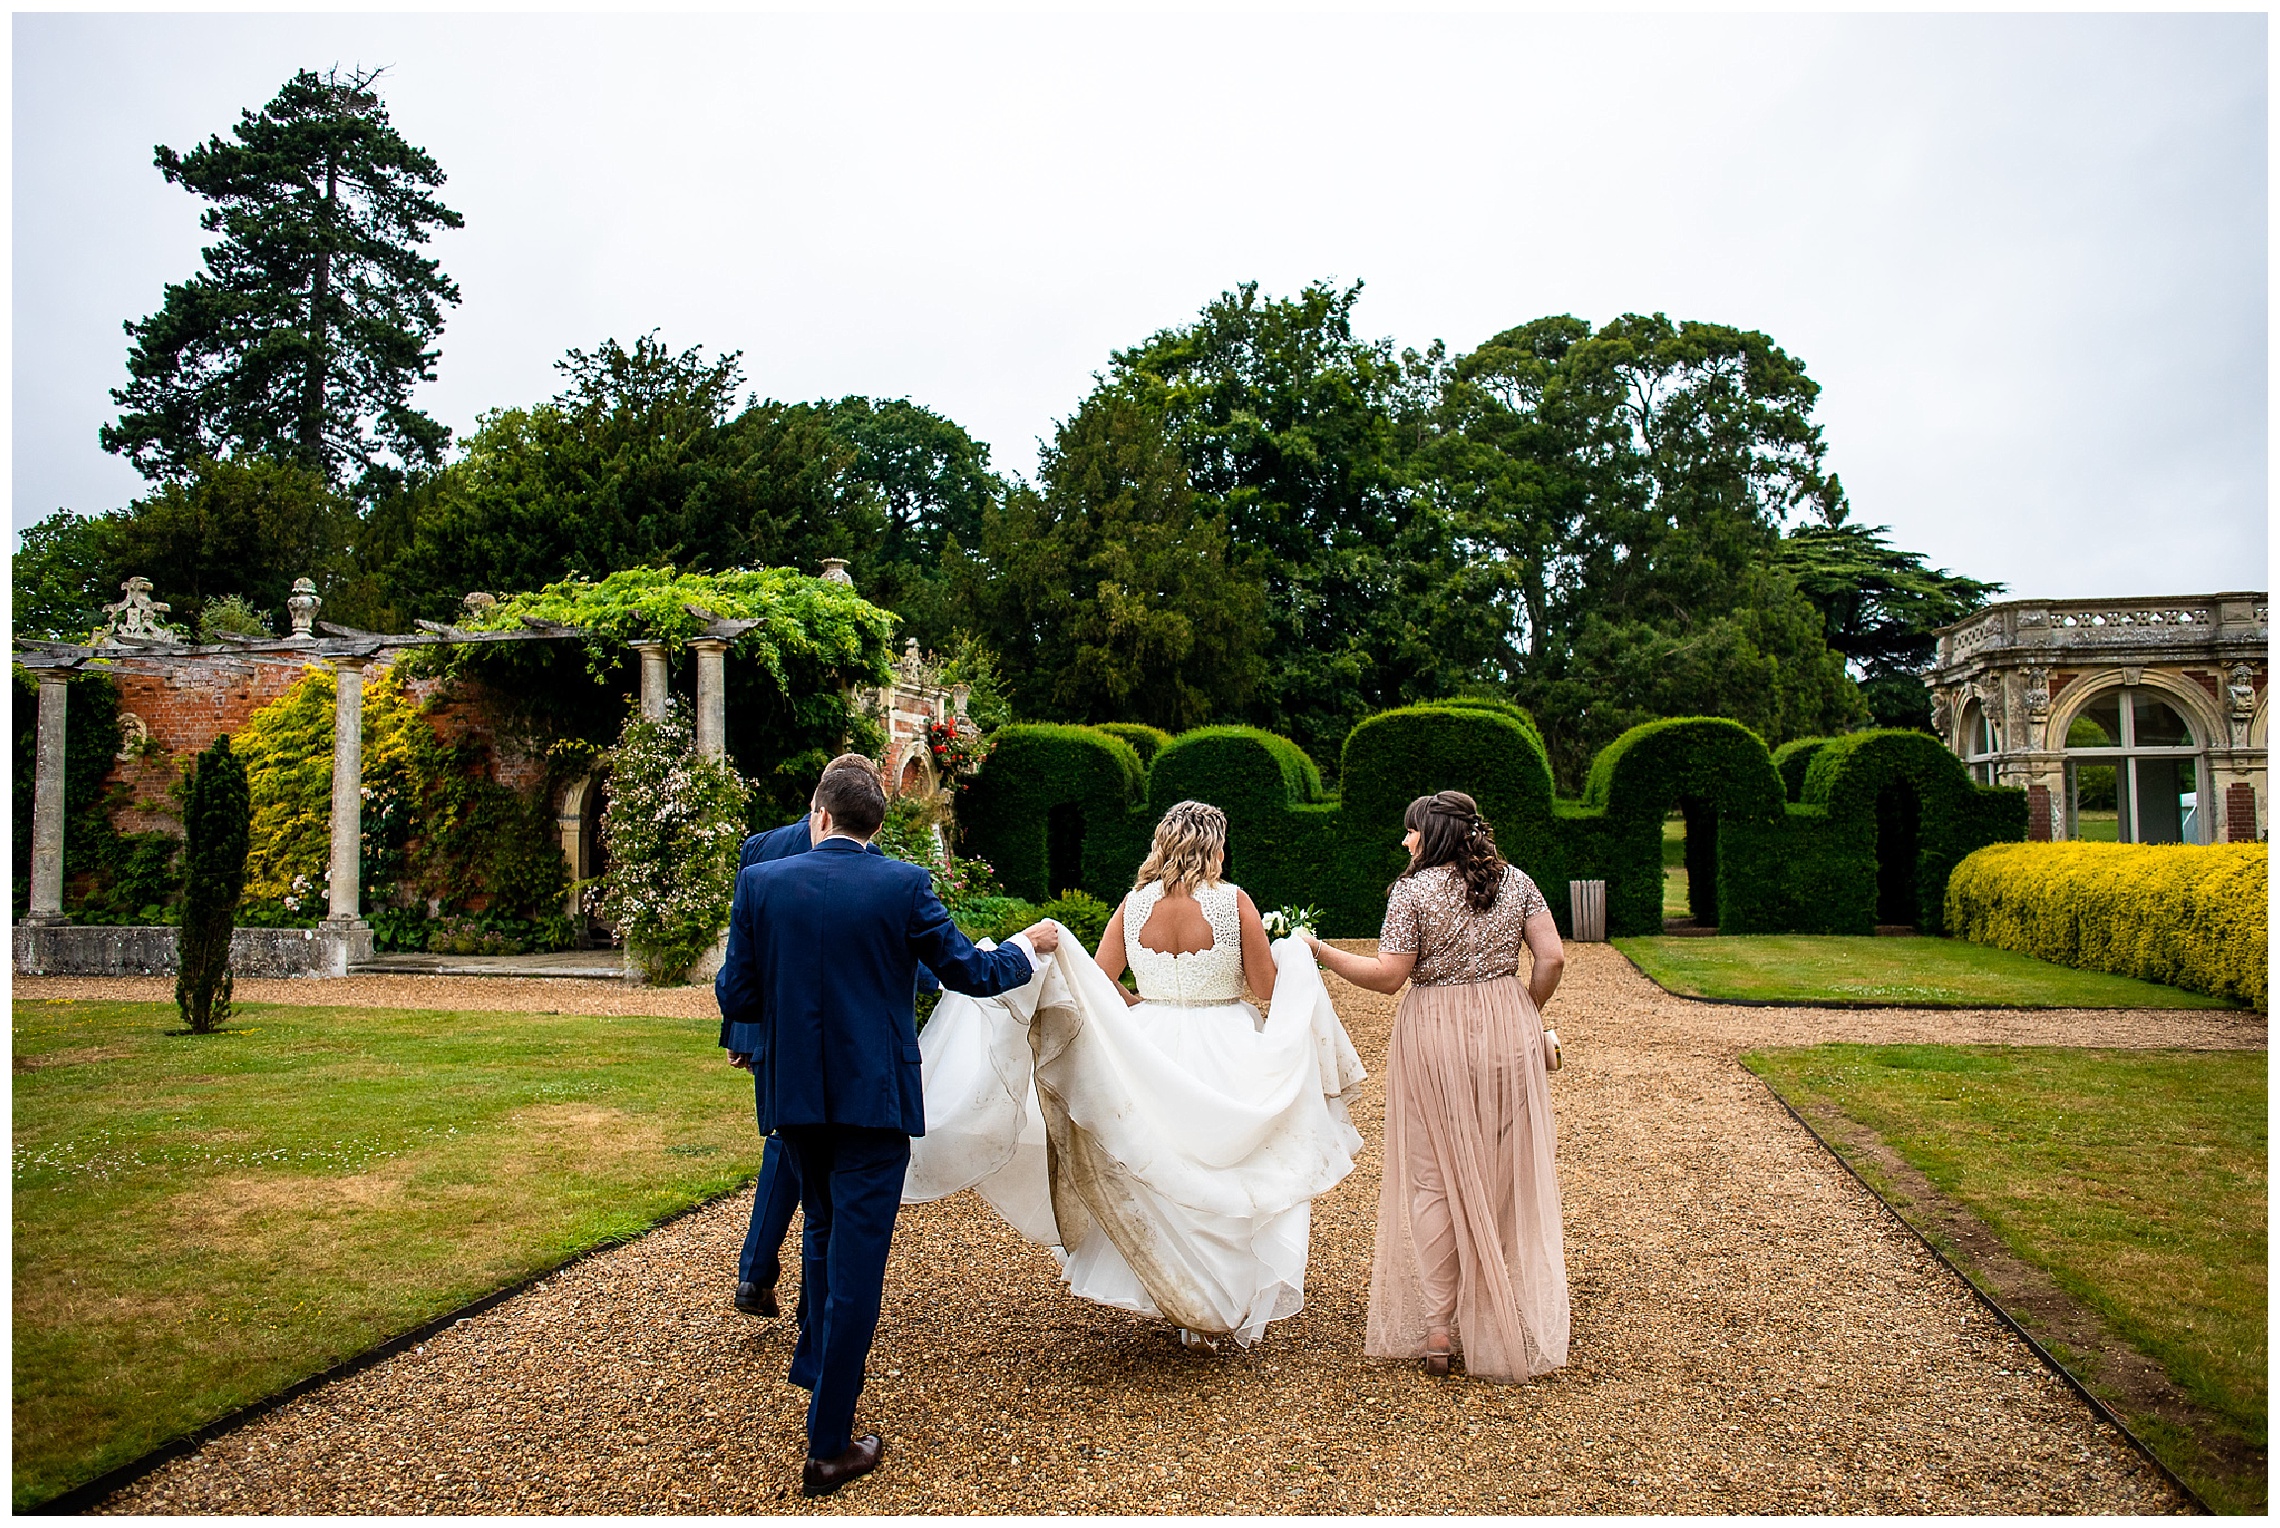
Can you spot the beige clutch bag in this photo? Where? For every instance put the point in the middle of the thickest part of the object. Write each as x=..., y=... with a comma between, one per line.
x=1551, y=1050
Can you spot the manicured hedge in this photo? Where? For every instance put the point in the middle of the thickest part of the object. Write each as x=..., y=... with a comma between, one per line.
x=1035, y=772
x=1792, y=759
x=1719, y=773
x=1493, y=754
x=1146, y=741
x=1833, y=862
x=1278, y=829
x=1774, y=846
x=2187, y=915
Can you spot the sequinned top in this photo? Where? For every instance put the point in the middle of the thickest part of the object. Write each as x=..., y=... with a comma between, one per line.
x=1427, y=915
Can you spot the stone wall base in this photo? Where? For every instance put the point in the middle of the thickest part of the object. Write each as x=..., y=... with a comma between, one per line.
x=71, y=949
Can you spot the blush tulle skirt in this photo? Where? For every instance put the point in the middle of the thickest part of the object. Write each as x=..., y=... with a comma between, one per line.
x=1469, y=1213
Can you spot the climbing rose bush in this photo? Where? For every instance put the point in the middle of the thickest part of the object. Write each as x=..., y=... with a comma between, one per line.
x=671, y=831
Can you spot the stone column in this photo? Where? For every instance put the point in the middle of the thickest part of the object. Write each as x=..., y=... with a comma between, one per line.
x=47, y=806
x=348, y=791
x=571, y=823
x=712, y=698
x=652, y=679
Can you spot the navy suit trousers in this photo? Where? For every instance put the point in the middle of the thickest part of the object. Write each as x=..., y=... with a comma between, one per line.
x=773, y=1200
x=851, y=1183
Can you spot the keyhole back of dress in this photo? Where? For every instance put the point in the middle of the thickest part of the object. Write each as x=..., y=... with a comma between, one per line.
x=1177, y=926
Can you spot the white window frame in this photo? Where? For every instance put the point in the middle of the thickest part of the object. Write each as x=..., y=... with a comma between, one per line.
x=2125, y=758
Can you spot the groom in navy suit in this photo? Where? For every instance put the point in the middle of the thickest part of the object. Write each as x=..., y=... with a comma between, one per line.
x=777, y=1193
x=823, y=954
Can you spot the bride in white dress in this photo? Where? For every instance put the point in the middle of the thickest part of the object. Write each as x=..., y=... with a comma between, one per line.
x=1167, y=1147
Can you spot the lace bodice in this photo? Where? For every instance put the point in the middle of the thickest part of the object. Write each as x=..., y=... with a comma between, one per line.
x=1200, y=976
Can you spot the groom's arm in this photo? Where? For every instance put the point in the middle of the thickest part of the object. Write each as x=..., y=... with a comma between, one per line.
x=737, y=986
x=945, y=950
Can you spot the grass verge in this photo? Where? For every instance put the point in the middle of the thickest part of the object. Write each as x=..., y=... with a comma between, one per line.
x=2114, y=1202
x=202, y=1220
x=1897, y=973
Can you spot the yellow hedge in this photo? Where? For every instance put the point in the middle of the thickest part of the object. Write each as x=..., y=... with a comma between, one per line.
x=2187, y=915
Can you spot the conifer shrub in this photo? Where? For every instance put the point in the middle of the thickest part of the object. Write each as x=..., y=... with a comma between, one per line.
x=2186, y=915
x=217, y=820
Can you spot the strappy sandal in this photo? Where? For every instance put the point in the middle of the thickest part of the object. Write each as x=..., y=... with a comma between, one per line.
x=1437, y=1360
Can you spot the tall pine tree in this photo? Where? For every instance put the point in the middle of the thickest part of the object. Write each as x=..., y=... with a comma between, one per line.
x=316, y=313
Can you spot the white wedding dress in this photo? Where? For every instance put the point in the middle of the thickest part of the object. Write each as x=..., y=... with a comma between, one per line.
x=1169, y=1152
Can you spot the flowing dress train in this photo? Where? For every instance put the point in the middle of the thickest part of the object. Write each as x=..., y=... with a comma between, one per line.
x=1169, y=1152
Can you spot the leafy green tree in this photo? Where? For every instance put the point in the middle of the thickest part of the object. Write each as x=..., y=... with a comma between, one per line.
x=316, y=313
x=218, y=821
x=1882, y=608
x=63, y=573
x=246, y=527
x=934, y=484
x=1628, y=487
x=1302, y=436
x=641, y=461
x=1113, y=594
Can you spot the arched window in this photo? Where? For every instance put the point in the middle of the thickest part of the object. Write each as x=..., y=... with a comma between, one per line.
x=1979, y=743
x=2133, y=771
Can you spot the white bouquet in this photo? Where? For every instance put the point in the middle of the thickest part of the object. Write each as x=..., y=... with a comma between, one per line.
x=1284, y=921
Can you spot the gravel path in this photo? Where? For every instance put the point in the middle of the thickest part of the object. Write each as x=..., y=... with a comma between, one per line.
x=1753, y=1334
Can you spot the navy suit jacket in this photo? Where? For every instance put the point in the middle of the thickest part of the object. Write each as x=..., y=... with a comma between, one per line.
x=823, y=953
x=779, y=843
x=776, y=844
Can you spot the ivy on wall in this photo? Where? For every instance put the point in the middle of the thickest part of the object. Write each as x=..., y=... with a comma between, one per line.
x=440, y=836
x=788, y=677
x=109, y=876
x=1880, y=819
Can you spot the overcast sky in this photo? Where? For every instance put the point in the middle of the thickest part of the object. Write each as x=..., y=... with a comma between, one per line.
x=2025, y=257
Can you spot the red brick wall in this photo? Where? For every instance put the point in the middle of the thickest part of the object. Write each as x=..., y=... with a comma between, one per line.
x=188, y=703
x=2038, y=814
x=2240, y=813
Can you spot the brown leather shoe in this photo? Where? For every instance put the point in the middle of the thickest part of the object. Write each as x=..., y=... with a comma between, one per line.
x=821, y=1477
x=756, y=1299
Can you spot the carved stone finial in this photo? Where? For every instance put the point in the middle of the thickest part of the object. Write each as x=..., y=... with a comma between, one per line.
x=303, y=606
x=835, y=572
x=959, y=695
x=136, y=616
x=477, y=601
x=2038, y=694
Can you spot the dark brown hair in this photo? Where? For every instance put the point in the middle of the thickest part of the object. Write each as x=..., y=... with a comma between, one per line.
x=854, y=799
x=1451, y=831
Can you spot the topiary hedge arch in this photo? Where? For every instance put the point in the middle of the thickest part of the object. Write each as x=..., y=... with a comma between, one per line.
x=1833, y=835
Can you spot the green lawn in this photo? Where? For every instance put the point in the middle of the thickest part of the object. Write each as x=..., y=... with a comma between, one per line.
x=2137, y=1179
x=202, y=1220
x=1905, y=972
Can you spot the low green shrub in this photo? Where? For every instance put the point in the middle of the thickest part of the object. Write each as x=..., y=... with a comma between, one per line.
x=1081, y=913
x=2186, y=915
x=993, y=917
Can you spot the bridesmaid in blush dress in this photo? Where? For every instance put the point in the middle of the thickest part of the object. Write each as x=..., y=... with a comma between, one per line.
x=1469, y=1251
